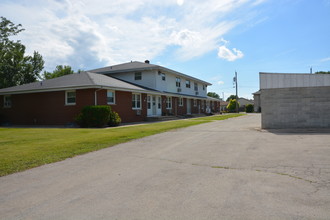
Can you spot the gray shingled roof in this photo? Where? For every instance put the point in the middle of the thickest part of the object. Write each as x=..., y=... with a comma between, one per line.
x=140, y=66
x=73, y=81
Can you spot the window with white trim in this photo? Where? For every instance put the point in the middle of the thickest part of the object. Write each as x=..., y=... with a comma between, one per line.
x=163, y=76
x=180, y=101
x=187, y=83
x=136, y=101
x=70, y=97
x=111, y=97
x=7, y=101
x=138, y=76
x=196, y=86
x=168, y=102
x=178, y=82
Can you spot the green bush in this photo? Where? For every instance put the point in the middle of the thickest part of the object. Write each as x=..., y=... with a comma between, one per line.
x=94, y=116
x=232, y=105
x=114, y=120
x=249, y=108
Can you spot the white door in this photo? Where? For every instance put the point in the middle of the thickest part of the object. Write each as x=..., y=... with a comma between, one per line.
x=188, y=106
x=159, y=105
x=149, y=110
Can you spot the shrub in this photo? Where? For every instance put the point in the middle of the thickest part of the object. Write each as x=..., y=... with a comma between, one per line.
x=249, y=108
x=114, y=120
x=232, y=105
x=94, y=116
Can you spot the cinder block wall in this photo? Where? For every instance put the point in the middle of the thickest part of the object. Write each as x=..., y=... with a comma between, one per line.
x=307, y=107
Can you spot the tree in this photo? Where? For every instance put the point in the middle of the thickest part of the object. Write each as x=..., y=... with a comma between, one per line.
x=232, y=105
x=213, y=94
x=15, y=67
x=59, y=71
x=322, y=72
x=231, y=97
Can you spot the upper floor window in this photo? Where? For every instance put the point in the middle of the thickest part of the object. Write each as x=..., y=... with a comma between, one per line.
x=138, y=76
x=187, y=83
x=136, y=101
x=110, y=97
x=7, y=101
x=70, y=97
x=163, y=76
x=204, y=87
x=196, y=86
x=178, y=82
x=169, y=102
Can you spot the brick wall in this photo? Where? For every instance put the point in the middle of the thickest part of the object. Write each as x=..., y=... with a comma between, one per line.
x=48, y=108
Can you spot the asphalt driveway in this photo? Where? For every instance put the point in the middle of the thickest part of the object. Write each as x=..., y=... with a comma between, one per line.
x=221, y=170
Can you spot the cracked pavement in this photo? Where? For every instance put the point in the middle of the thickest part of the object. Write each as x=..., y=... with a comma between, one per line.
x=220, y=170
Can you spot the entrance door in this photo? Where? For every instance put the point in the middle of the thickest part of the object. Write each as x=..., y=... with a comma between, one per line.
x=154, y=105
x=188, y=106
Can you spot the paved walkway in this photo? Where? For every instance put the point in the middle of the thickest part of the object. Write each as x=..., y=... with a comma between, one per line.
x=221, y=170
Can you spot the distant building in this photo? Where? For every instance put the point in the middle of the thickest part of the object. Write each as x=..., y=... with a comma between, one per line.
x=294, y=100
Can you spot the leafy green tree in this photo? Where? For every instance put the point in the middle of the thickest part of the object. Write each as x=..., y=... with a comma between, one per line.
x=15, y=67
x=59, y=71
x=322, y=72
x=213, y=94
x=231, y=97
x=232, y=105
x=249, y=108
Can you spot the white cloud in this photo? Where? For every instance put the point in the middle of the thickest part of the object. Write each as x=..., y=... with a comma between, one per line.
x=220, y=82
x=325, y=59
x=230, y=55
x=91, y=33
x=180, y=2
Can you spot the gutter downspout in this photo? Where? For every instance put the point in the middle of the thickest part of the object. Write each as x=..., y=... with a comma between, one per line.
x=95, y=95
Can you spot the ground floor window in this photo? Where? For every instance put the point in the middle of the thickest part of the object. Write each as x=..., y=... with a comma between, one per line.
x=195, y=102
x=168, y=102
x=70, y=97
x=136, y=101
x=110, y=97
x=7, y=101
x=180, y=101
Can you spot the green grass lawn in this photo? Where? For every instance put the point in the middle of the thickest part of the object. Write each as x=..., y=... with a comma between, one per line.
x=24, y=148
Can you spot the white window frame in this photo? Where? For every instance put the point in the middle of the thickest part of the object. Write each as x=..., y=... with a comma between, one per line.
x=178, y=82
x=187, y=83
x=7, y=101
x=180, y=101
x=66, y=97
x=138, y=76
x=113, y=96
x=196, y=86
x=168, y=102
x=135, y=101
x=163, y=76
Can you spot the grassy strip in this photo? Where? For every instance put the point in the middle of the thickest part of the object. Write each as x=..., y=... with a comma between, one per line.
x=24, y=148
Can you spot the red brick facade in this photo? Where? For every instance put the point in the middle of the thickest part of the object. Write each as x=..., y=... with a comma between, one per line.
x=49, y=108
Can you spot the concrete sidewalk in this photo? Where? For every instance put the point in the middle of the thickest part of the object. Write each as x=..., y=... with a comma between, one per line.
x=221, y=170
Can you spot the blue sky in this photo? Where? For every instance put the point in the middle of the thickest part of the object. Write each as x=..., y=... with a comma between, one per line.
x=209, y=39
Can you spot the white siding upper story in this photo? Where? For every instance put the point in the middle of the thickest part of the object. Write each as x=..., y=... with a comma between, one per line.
x=286, y=80
x=154, y=80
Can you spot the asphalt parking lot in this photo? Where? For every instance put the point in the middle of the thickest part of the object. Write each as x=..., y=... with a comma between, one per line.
x=220, y=170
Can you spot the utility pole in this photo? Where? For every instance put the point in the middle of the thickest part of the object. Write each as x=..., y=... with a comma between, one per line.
x=235, y=81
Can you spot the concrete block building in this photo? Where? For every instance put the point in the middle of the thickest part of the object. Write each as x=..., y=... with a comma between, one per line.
x=294, y=100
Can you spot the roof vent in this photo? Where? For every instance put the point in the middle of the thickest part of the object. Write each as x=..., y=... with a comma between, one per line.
x=147, y=61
